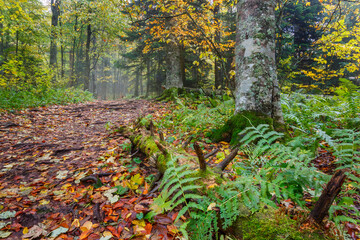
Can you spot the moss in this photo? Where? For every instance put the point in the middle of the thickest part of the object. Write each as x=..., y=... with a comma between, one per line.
x=273, y=224
x=229, y=132
x=161, y=163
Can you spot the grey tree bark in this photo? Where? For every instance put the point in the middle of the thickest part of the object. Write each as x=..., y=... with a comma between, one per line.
x=257, y=87
x=173, y=68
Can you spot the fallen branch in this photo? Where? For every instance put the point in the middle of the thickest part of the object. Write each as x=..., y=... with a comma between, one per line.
x=327, y=197
x=187, y=142
x=213, y=152
x=227, y=159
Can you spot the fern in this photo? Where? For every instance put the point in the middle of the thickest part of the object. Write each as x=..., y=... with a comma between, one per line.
x=273, y=168
x=178, y=188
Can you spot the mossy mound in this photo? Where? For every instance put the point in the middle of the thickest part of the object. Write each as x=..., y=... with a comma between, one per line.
x=271, y=224
x=231, y=129
x=274, y=224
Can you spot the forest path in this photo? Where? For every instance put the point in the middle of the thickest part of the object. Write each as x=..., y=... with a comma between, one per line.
x=45, y=152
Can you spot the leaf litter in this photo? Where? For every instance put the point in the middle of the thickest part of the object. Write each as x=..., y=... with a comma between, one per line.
x=67, y=174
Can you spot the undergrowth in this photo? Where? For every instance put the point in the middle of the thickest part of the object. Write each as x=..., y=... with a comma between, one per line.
x=35, y=97
x=272, y=171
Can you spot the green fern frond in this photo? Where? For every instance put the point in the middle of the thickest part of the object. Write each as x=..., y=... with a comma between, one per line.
x=178, y=188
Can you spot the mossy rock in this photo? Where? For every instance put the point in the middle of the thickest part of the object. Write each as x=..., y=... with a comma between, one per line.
x=272, y=224
x=231, y=129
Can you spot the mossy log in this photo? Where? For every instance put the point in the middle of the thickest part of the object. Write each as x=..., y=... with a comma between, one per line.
x=160, y=152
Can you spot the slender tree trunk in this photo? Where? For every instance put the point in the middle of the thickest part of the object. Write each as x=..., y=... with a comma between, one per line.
x=257, y=87
x=62, y=49
x=141, y=84
x=2, y=42
x=87, y=59
x=182, y=64
x=17, y=43
x=217, y=65
x=136, y=93
x=72, y=55
x=148, y=73
x=55, y=10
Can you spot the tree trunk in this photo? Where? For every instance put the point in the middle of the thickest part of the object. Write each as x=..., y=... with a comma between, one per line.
x=62, y=49
x=141, y=83
x=55, y=10
x=217, y=65
x=148, y=73
x=87, y=59
x=173, y=67
x=137, y=77
x=182, y=64
x=72, y=56
x=257, y=87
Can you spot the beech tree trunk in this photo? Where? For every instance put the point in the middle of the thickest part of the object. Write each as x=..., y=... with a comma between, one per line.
x=173, y=66
x=257, y=88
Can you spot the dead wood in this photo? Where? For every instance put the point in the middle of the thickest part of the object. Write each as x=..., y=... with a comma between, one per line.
x=60, y=152
x=187, y=142
x=327, y=197
x=161, y=148
x=212, y=153
x=9, y=125
x=227, y=159
x=161, y=136
x=152, y=128
x=201, y=157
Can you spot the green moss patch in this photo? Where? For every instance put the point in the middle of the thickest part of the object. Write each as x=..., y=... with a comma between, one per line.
x=231, y=129
x=273, y=224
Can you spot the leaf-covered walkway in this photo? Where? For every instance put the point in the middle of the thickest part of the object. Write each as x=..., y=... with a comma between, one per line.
x=51, y=159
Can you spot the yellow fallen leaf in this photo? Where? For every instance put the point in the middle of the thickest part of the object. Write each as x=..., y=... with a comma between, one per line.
x=25, y=230
x=140, y=223
x=86, y=226
x=76, y=223
x=44, y=202
x=211, y=206
x=107, y=234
